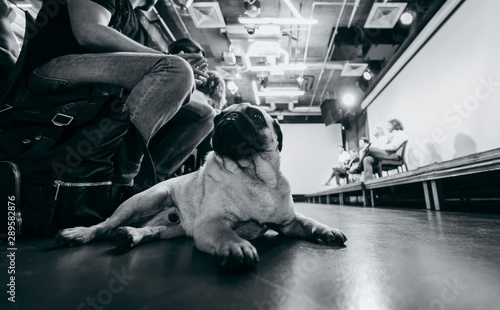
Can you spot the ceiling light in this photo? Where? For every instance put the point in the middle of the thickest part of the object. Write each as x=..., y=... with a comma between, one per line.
x=406, y=18
x=252, y=8
x=232, y=87
x=348, y=99
x=293, y=9
x=367, y=75
x=277, y=21
x=300, y=80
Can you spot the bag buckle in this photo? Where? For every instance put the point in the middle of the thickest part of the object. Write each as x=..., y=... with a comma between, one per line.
x=62, y=119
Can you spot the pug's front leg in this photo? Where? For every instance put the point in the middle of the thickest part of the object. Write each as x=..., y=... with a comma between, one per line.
x=216, y=237
x=307, y=228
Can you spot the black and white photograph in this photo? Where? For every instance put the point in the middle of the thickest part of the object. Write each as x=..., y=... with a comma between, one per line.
x=250, y=154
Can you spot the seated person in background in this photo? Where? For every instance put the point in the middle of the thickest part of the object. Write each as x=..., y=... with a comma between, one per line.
x=102, y=42
x=362, y=144
x=354, y=162
x=379, y=138
x=9, y=50
x=341, y=170
x=373, y=154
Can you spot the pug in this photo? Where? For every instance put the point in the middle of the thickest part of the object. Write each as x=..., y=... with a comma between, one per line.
x=237, y=196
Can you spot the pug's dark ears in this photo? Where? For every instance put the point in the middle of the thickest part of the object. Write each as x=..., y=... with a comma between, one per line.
x=217, y=118
x=277, y=130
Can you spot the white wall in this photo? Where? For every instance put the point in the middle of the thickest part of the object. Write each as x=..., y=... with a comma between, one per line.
x=308, y=155
x=448, y=95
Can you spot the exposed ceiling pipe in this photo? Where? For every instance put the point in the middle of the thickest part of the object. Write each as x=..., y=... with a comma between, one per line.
x=353, y=13
x=303, y=110
x=326, y=85
x=329, y=51
x=164, y=26
x=316, y=3
x=356, y=6
x=167, y=8
x=272, y=107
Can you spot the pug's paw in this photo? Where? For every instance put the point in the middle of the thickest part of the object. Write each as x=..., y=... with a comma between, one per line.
x=237, y=255
x=126, y=238
x=325, y=234
x=75, y=236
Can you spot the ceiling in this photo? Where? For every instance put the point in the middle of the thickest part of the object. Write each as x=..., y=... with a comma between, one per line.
x=292, y=69
x=332, y=69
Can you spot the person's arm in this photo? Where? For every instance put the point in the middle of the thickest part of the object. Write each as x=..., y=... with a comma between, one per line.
x=89, y=22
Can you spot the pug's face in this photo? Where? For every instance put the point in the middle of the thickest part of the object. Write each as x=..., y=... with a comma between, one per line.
x=242, y=130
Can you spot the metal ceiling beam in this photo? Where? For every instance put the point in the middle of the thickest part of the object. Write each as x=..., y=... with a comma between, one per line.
x=164, y=26
x=331, y=47
x=174, y=22
x=316, y=3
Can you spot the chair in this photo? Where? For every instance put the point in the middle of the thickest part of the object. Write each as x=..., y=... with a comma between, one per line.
x=393, y=164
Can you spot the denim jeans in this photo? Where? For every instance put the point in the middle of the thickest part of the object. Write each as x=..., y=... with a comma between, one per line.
x=173, y=144
x=160, y=88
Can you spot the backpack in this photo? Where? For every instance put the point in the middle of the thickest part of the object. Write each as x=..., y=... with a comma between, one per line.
x=61, y=157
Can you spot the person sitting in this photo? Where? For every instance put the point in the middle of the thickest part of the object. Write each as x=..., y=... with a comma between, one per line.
x=88, y=42
x=363, y=143
x=341, y=170
x=379, y=138
x=373, y=154
x=213, y=93
x=9, y=50
x=194, y=120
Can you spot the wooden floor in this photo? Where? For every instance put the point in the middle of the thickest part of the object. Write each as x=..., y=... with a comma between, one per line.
x=394, y=259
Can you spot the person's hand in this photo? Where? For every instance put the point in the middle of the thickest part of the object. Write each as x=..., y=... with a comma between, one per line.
x=198, y=64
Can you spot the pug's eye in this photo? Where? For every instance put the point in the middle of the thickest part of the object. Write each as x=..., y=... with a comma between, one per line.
x=257, y=117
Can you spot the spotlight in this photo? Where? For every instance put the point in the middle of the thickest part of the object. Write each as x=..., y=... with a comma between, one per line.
x=348, y=99
x=300, y=80
x=406, y=18
x=252, y=8
x=250, y=28
x=367, y=75
x=232, y=87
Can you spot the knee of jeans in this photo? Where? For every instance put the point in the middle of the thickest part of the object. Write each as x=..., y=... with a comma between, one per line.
x=181, y=69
